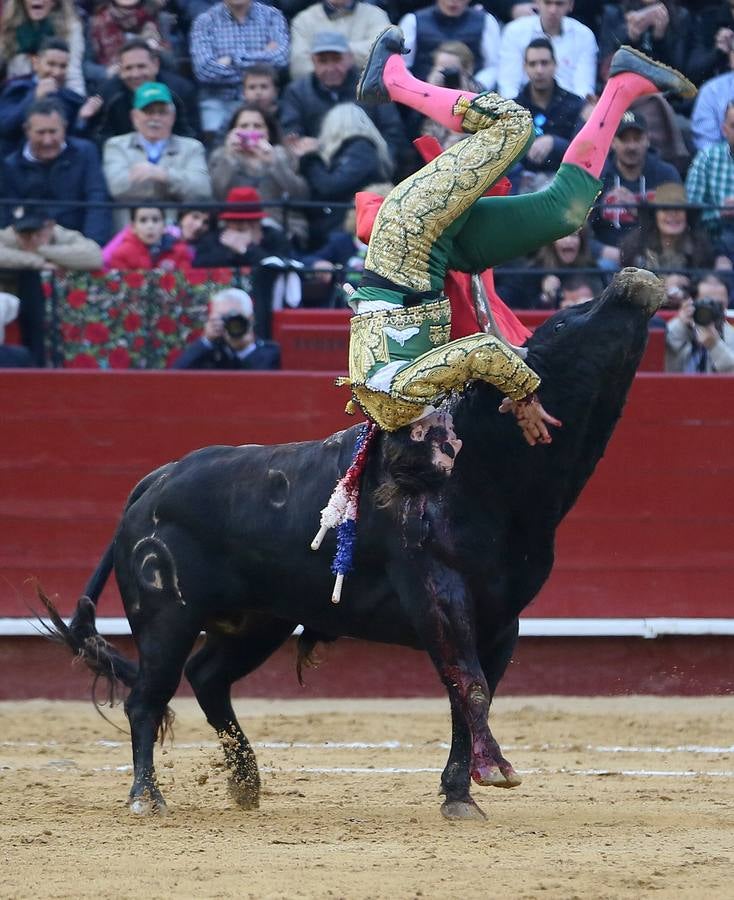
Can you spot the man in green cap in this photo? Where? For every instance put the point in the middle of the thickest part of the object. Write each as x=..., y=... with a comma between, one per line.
x=152, y=163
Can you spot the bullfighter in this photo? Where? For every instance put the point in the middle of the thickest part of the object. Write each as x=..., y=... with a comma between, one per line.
x=401, y=361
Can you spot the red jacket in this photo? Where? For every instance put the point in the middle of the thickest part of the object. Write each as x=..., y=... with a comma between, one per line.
x=457, y=284
x=132, y=253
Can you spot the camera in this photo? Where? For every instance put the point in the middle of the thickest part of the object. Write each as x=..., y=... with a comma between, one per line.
x=249, y=139
x=236, y=325
x=708, y=312
x=452, y=78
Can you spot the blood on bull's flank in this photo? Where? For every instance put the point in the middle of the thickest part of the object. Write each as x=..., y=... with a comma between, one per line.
x=446, y=566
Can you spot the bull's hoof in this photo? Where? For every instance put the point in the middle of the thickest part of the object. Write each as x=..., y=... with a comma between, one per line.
x=493, y=776
x=245, y=794
x=144, y=806
x=462, y=811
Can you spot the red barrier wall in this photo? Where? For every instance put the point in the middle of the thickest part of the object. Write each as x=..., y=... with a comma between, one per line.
x=651, y=535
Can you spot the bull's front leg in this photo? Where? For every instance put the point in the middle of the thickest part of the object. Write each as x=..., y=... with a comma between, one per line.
x=441, y=606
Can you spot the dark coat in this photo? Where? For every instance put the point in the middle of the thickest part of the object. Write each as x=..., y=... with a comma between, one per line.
x=354, y=166
x=561, y=120
x=211, y=254
x=305, y=102
x=114, y=117
x=203, y=354
x=672, y=49
x=15, y=98
x=75, y=174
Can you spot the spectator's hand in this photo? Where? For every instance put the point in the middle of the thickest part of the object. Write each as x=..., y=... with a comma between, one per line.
x=728, y=211
x=707, y=335
x=304, y=145
x=724, y=40
x=611, y=254
x=324, y=270
x=90, y=107
x=541, y=149
x=238, y=241
x=214, y=329
x=263, y=151
x=45, y=87
x=113, y=69
x=659, y=19
x=146, y=171
x=723, y=263
x=549, y=287
x=224, y=61
x=685, y=312
x=150, y=34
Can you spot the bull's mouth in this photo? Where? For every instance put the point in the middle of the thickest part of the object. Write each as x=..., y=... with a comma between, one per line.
x=638, y=287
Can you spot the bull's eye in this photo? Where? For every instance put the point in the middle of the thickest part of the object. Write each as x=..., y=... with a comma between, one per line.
x=559, y=326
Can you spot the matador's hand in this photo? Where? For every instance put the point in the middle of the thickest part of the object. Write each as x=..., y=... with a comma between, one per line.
x=531, y=417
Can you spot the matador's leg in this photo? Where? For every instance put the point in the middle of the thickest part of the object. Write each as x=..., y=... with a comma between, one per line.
x=415, y=226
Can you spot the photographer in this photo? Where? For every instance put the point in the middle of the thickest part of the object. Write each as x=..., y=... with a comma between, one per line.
x=229, y=342
x=699, y=339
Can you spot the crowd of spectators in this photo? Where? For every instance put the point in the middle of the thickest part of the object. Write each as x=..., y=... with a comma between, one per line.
x=123, y=123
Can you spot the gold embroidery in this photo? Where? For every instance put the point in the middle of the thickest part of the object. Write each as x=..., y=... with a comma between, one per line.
x=418, y=210
x=439, y=334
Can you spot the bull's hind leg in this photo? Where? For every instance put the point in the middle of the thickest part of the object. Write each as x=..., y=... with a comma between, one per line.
x=163, y=642
x=222, y=660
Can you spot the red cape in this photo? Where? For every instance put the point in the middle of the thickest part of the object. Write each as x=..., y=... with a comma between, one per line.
x=457, y=284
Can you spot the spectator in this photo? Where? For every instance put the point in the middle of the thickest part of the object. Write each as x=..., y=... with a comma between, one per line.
x=556, y=113
x=307, y=100
x=139, y=64
x=710, y=181
x=191, y=224
x=32, y=243
x=452, y=20
x=453, y=65
x=699, y=339
x=359, y=22
x=260, y=87
x=659, y=28
x=664, y=130
x=24, y=25
x=253, y=155
x=50, y=66
x=711, y=42
x=229, y=340
x=152, y=162
x=225, y=40
x=113, y=24
x=630, y=176
x=11, y=357
x=244, y=240
x=146, y=245
x=710, y=106
x=574, y=45
x=579, y=288
x=668, y=237
x=348, y=154
x=53, y=167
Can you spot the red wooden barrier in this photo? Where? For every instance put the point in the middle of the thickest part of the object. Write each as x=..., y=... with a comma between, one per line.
x=651, y=535
x=318, y=339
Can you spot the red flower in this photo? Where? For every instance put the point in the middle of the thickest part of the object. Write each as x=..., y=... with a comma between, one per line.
x=70, y=332
x=156, y=342
x=222, y=276
x=119, y=358
x=197, y=276
x=184, y=320
x=76, y=299
x=82, y=361
x=96, y=333
x=167, y=282
x=173, y=355
x=132, y=322
x=138, y=343
x=166, y=325
x=112, y=286
x=113, y=312
x=134, y=279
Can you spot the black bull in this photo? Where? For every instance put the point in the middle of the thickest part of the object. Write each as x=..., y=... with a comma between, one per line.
x=220, y=542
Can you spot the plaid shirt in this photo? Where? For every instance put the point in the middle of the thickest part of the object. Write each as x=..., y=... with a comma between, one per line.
x=217, y=33
x=710, y=179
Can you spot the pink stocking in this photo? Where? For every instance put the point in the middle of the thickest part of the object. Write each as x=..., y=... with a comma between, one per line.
x=590, y=147
x=435, y=102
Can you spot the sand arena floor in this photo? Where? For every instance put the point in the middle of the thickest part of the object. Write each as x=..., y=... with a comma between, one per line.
x=630, y=798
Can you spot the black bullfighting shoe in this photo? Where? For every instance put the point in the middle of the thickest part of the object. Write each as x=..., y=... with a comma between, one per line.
x=666, y=78
x=370, y=87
